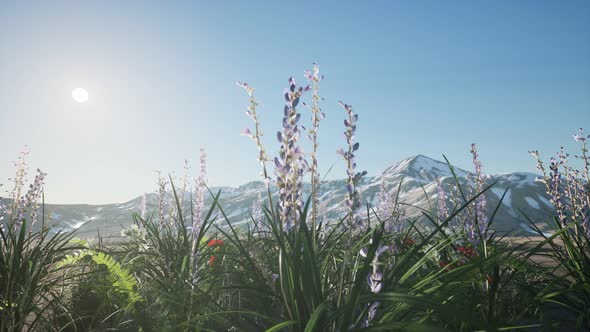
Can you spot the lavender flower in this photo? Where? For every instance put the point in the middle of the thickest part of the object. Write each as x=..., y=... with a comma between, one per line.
x=185, y=179
x=374, y=280
x=257, y=217
x=352, y=199
x=556, y=190
x=388, y=209
x=258, y=133
x=549, y=181
x=34, y=194
x=580, y=137
x=198, y=209
x=162, y=183
x=23, y=201
x=443, y=211
x=199, y=199
x=473, y=218
x=385, y=203
x=581, y=193
x=18, y=201
x=257, y=137
x=317, y=115
x=143, y=206
x=568, y=191
x=585, y=159
x=480, y=201
x=290, y=164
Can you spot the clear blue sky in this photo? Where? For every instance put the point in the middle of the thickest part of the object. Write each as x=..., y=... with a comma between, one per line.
x=426, y=77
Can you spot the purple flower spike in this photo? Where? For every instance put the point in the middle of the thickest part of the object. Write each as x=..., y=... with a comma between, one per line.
x=352, y=199
x=568, y=188
x=289, y=165
x=199, y=197
x=374, y=280
x=443, y=211
x=389, y=211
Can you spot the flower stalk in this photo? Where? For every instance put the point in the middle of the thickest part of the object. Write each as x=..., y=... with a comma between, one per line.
x=352, y=199
x=257, y=138
x=290, y=163
x=314, y=78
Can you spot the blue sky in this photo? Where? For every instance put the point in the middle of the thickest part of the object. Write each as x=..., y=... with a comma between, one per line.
x=425, y=77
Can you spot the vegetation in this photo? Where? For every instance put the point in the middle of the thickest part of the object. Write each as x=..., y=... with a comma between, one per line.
x=292, y=269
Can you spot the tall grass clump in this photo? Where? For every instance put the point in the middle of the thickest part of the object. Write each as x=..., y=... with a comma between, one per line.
x=173, y=262
x=569, y=245
x=373, y=271
x=31, y=283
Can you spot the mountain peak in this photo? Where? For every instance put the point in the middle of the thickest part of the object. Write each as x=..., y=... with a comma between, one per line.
x=421, y=167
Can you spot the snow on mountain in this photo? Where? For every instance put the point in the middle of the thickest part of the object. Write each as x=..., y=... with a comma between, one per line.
x=419, y=174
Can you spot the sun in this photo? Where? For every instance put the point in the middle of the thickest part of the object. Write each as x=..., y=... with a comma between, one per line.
x=80, y=95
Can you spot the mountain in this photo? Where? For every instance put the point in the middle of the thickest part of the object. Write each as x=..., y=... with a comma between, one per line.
x=419, y=188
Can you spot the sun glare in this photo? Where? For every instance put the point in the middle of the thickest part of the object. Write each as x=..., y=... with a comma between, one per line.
x=80, y=95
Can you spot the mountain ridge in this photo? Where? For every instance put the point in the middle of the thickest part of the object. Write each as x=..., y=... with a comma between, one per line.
x=419, y=188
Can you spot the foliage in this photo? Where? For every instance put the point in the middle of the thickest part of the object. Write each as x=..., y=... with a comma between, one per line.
x=294, y=270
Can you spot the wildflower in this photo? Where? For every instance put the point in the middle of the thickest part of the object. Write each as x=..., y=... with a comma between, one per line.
x=443, y=211
x=290, y=164
x=583, y=192
x=568, y=191
x=388, y=209
x=556, y=189
x=143, y=207
x=479, y=214
x=18, y=202
x=256, y=213
x=198, y=207
x=317, y=115
x=185, y=179
x=162, y=183
x=199, y=198
x=245, y=86
x=23, y=202
x=580, y=137
x=211, y=260
x=374, y=280
x=258, y=133
x=467, y=251
x=352, y=199
x=403, y=245
x=214, y=243
x=34, y=194
x=445, y=265
x=246, y=132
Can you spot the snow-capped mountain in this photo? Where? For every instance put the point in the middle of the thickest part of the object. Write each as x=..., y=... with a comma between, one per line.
x=525, y=196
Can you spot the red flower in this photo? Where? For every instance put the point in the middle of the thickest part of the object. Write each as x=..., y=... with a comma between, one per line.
x=490, y=280
x=467, y=251
x=214, y=242
x=211, y=260
x=408, y=243
x=445, y=265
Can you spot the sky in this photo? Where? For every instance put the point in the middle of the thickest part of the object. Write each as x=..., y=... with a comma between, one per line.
x=425, y=77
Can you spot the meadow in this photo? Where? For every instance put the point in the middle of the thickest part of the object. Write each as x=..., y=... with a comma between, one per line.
x=292, y=269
